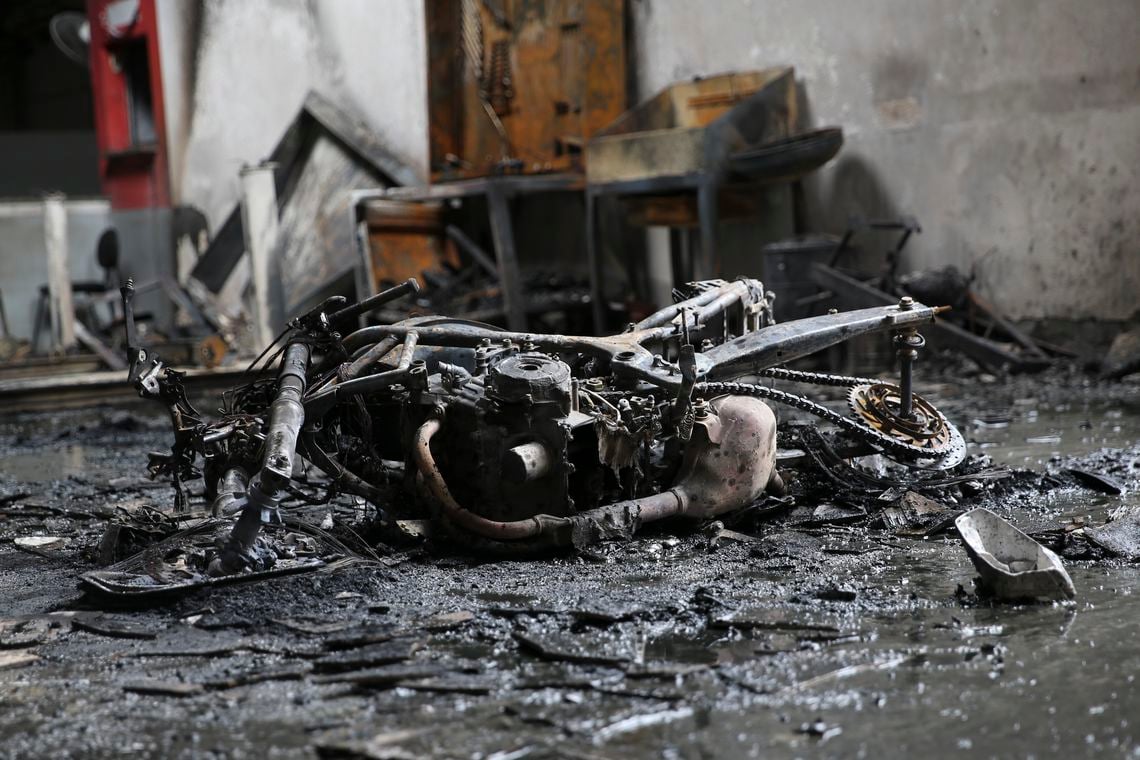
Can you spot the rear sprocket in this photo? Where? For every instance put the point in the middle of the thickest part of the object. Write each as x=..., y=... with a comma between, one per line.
x=926, y=432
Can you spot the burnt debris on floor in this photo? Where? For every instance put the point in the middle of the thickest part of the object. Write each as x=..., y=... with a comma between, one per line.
x=782, y=625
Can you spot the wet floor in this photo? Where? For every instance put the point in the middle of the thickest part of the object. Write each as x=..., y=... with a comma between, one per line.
x=1026, y=435
x=835, y=640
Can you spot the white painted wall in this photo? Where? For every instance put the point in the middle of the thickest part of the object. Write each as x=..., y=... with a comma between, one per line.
x=236, y=74
x=1010, y=129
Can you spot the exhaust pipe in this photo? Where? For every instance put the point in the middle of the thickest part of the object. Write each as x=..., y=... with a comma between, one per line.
x=730, y=461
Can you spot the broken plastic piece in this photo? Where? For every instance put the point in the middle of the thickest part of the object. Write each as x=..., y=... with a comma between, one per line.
x=1011, y=564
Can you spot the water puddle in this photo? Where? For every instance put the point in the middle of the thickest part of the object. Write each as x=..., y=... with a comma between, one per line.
x=993, y=680
x=1026, y=436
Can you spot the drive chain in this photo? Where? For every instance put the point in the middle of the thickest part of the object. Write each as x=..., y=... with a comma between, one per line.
x=874, y=437
x=816, y=378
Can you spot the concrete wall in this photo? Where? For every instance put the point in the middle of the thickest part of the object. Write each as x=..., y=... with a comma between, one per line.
x=236, y=72
x=1011, y=129
x=23, y=256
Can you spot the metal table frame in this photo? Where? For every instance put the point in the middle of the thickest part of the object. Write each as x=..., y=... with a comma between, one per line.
x=705, y=184
x=499, y=192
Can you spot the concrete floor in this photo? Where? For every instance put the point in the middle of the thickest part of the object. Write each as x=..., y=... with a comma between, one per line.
x=803, y=636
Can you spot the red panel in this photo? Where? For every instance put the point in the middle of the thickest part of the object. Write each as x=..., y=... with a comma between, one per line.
x=133, y=175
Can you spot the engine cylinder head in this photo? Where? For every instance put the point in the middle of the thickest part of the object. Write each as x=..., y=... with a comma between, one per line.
x=542, y=378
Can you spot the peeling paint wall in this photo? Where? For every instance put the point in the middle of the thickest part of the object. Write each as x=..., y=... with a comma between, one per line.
x=1011, y=129
x=236, y=72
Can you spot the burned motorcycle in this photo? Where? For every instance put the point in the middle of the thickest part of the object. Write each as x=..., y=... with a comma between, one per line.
x=508, y=439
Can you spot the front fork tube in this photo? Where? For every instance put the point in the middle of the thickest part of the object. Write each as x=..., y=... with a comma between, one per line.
x=267, y=487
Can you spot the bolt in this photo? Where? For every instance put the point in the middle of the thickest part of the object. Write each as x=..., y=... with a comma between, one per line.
x=906, y=303
x=701, y=409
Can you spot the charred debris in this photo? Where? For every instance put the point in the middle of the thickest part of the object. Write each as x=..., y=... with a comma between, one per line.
x=356, y=442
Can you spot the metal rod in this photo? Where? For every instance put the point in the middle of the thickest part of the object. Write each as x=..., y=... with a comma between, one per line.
x=778, y=344
x=906, y=393
x=287, y=414
x=908, y=343
x=594, y=263
x=472, y=249
x=127, y=291
x=340, y=474
x=323, y=401
x=407, y=287
x=370, y=357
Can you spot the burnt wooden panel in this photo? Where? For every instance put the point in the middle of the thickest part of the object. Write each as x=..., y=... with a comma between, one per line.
x=405, y=240
x=524, y=81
